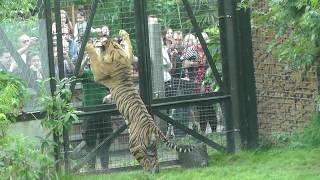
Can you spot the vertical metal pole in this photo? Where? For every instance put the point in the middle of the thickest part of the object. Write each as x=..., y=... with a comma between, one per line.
x=249, y=128
x=52, y=73
x=143, y=51
x=59, y=39
x=226, y=105
x=232, y=54
x=49, y=43
x=65, y=132
x=50, y=46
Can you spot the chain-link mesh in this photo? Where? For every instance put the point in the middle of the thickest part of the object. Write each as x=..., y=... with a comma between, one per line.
x=170, y=78
x=93, y=129
x=178, y=68
x=179, y=64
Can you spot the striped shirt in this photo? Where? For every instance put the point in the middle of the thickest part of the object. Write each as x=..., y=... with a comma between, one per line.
x=190, y=53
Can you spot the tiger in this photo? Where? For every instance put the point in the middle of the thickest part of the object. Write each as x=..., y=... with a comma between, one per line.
x=113, y=68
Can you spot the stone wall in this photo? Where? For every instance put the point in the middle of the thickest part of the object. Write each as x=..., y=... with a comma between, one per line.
x=285, y=97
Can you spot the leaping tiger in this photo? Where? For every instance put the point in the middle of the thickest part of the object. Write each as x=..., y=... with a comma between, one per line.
x=113, y=68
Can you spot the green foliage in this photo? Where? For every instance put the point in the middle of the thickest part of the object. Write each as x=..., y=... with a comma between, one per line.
x=245, y=4
x=59, y=111
x=311, y=133
x=173, y=14
x=282, y=138
x=22, y=159
x=214, y=42
x=296, y=24
x=17, y=10
x=214, y=47
x=309, y=137
x=19, y=157
x=11, y=97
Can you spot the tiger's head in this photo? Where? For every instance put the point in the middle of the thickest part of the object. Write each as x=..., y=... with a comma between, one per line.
x=119, y=50
x=112, y=52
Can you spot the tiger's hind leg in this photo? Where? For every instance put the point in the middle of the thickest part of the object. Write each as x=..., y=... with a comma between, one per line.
x=152, y=154
x=147, y=158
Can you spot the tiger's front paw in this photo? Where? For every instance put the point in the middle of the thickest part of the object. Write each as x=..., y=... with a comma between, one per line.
x=91, y=51
x=107, y=99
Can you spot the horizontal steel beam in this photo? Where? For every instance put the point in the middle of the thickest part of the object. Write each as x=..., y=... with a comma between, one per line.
x=182, y=101
x=189, y=131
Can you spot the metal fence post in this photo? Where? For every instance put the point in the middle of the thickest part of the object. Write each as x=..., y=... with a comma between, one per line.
x=230, y=54
x=51, y=72
x=249, y=126
x=143, y=51
x=238, y=73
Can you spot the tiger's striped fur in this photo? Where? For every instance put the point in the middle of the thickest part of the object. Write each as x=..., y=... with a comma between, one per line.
x=113, y=69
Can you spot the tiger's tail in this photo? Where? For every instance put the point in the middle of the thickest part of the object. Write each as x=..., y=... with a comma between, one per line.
x=173, y=145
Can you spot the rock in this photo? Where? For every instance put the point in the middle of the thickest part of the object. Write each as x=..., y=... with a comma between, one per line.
x=196, y=158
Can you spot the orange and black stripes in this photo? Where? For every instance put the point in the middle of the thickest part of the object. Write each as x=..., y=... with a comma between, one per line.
x=140, y=121
x=113, y=69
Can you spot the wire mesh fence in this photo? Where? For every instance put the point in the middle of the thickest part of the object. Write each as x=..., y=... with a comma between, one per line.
x=92, y=129
x=168, y=80
x=179, y=67
x=115, y=155
x=23, y=52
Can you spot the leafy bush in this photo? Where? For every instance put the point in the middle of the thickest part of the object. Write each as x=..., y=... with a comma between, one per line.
x=310, y=136
x=281, y=138
x=19, y=157
x=59, y=111
x=295, y=25
x=311, y=133
x=22, y=159
x=11, y=97
x=21, y=10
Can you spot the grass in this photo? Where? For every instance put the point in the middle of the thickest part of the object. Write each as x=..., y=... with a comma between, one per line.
x=274, y=163
x=287, y=157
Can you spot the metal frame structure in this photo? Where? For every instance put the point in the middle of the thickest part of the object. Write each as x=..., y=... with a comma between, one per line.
x=237, y=80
